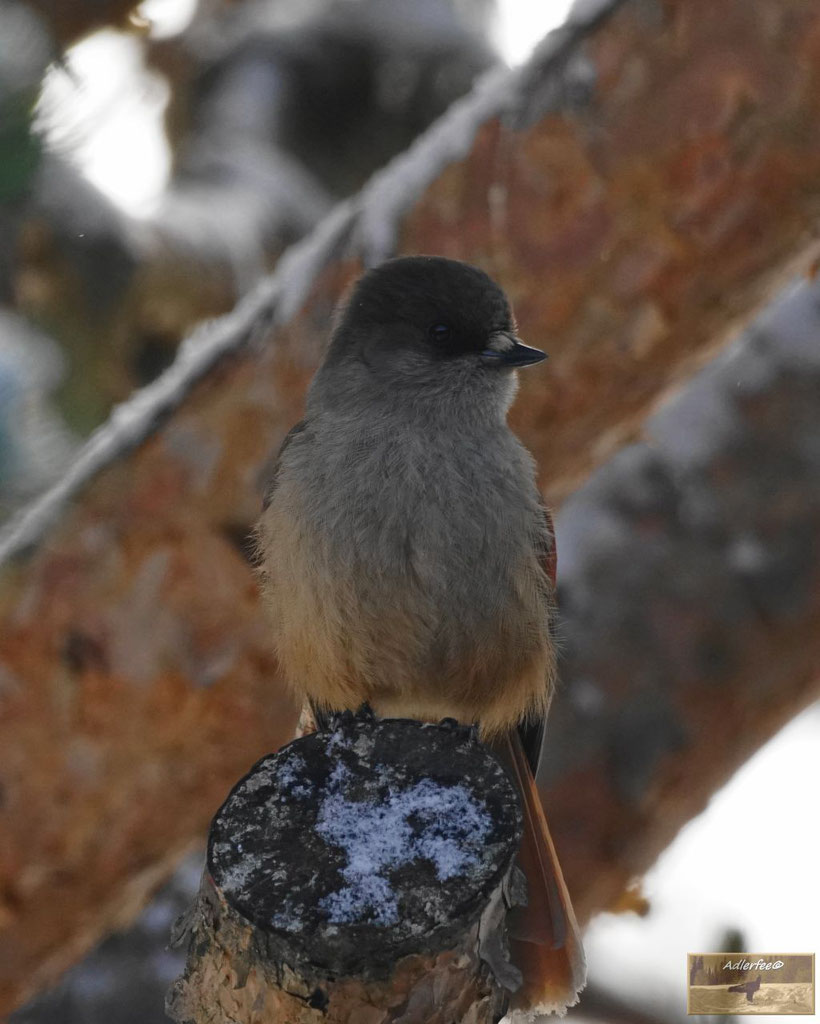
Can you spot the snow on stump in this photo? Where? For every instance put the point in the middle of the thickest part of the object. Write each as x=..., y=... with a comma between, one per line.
x=358, y=875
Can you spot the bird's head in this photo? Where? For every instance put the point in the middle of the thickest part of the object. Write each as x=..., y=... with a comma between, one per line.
x=425, y=327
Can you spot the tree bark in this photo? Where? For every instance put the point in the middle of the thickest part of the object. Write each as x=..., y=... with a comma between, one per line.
x=638, y=190
x=689, y=589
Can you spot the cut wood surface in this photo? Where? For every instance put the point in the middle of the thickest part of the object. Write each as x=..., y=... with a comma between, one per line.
x=639, y=189
x=360, y=874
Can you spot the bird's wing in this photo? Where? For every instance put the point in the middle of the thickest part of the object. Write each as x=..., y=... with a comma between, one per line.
x=547, y=552
x=312, y=717
x=531, y=732
x=270, y=486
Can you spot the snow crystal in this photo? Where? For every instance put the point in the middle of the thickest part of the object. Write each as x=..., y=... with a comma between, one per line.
x=290, y=777
x=429, y=821
x=236, y=876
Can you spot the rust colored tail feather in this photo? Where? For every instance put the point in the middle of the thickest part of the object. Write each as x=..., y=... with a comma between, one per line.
x=545, y=942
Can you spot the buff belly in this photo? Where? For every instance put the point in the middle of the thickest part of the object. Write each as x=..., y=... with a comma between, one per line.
x=401, y=639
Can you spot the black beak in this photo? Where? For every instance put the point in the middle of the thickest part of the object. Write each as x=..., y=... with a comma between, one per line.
x=517, y=355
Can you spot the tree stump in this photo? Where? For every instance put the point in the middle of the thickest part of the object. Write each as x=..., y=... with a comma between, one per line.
x=358, y=875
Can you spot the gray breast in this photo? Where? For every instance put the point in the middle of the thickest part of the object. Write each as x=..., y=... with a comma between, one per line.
x=411, y=514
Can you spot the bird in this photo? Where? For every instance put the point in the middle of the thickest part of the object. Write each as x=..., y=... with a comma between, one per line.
x=407, y=559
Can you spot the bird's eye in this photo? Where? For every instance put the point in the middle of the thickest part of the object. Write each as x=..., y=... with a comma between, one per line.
x=440, y=332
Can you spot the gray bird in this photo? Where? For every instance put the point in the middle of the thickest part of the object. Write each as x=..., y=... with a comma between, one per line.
x=408, y=561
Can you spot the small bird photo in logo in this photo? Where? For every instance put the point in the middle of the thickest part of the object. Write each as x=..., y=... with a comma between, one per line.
x=761, y=983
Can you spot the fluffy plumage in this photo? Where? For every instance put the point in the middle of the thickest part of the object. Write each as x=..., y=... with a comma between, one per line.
x=404, y=538
x=408, y=560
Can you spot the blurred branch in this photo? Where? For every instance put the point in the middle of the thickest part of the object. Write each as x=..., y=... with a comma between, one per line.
x=266, y=124
x=689, y=576
x=68, y=23
x=642, y=186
